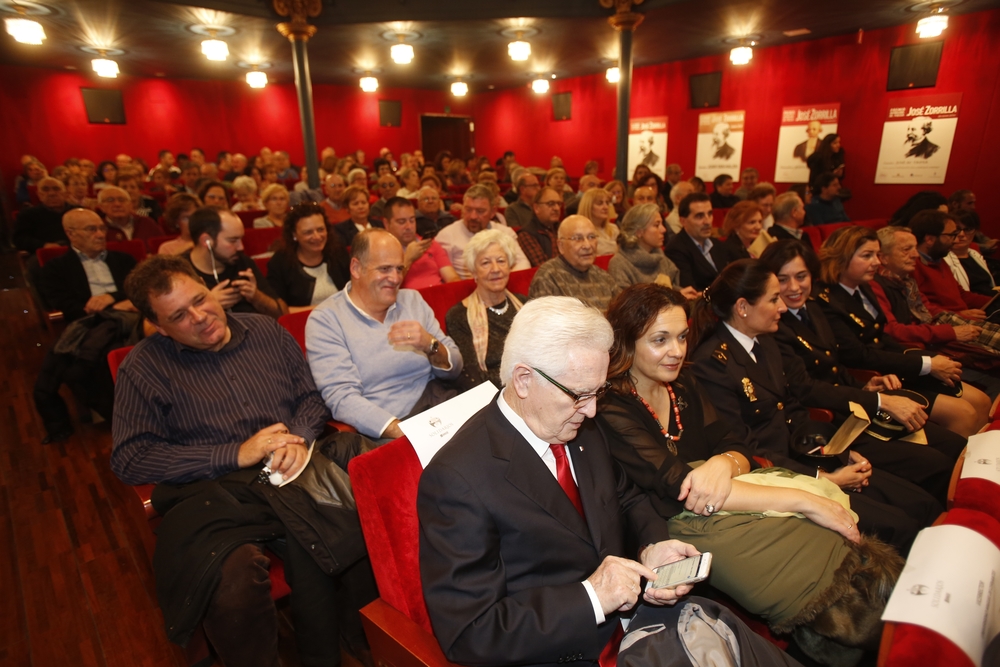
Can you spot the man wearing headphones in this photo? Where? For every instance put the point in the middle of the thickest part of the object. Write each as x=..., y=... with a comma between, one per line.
x=218, y=258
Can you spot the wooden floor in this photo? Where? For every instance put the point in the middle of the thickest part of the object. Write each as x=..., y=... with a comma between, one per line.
x=76, y=584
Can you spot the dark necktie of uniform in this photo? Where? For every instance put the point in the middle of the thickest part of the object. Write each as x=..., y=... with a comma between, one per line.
x=857, y=297
x=565, y=476
x=804, y=317
x=758, y=353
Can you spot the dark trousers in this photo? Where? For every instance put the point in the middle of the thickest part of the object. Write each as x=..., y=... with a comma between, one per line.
x=928, y=466
x=241, y=622
x=894, y=510
x=88, y=380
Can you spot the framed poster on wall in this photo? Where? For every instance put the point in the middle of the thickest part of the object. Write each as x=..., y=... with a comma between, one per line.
x=647, y=144
x=916, y=139
x=802, y=129
x=720, y=144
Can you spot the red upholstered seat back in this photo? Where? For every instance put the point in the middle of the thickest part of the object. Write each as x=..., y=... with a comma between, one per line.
x=296, y=325
x=115, y=359
x=385, y=489
x=154, y=243
x=815, y=235
x=247, y=217
x=520, y=281
x=719, y=216
x=602, y=261
x=442, y=297
x=908, y=645
x=258, y=241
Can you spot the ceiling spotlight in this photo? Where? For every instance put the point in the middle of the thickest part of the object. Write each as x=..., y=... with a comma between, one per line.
x=933, y=25
x=540, y=86
x=613, y=75
x=459, y=89
x=25, y=30
x=256, y=79
x=104, y=67
x=519, y=50
x=214, y=49
x=741, y=55
x=401, y=54
x=369, y=84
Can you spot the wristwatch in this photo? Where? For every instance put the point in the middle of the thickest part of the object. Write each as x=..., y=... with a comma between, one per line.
x=434, y=347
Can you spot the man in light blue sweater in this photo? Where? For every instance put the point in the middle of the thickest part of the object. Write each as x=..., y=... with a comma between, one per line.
x=375, y=350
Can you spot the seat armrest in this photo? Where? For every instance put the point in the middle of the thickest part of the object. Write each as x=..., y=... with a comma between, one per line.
x=396, y=641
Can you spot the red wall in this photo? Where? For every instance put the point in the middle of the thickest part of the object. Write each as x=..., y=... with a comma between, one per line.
x=829, y=70
x=43, y=114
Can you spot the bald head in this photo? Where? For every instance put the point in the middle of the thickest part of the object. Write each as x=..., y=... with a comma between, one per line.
x=644, y=195
x=86, y=231
x=578, y=242
x=334, y=186
x=589, y=182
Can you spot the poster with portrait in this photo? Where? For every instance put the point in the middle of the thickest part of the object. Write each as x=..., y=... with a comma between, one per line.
x=917, y=138
x=720, y=144
x=647, y=144
x=802, y=129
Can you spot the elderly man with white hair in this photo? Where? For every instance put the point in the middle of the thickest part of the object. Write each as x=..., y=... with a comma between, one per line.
x=677, y=193
x=123, y=225
x=572, y=272
x=477, y=215
x=524, y=522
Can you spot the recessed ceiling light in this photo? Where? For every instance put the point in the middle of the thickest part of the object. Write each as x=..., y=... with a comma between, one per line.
x=540, y=86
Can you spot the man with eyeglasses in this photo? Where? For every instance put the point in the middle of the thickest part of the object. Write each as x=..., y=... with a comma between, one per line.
x=524, y=519
x=430, y=218
x=538, y=238
x=696, y=255
x=333, y=205
x=477, y=215
x=87, y=279
x=935, y=232
x=123, y=225
x=520, y=212
x=388, y=186
x=377, y=353
x=573, y=273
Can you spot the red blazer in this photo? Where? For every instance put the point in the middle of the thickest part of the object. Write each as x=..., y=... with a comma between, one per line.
x=938, y=284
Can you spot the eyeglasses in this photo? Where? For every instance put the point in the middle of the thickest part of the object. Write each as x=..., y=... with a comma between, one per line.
x=963, y=230
x=579, y=400
x=579, y=238
x=91, y=229
x=949, y=234
x=551, y=204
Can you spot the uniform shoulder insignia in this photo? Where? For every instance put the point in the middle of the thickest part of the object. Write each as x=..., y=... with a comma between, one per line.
x=719, y=353
x=805, y=343
x=825, y=294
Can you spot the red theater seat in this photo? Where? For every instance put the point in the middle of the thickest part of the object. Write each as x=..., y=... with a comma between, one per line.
x=520, y=281
x=258, y=241
x=247, y=217
x=397, y=624
x=602, y=261
x=154, y=243
x=442, y=297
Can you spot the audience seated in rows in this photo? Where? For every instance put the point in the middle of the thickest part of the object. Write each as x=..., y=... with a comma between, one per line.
x=722, y=192
x=387, y=188
x=678, y=192
x=521, y=210
x=935, y=233
x=477, y=215
x=537, y=237
x=572, y=272
x=355, y=201
x=479, y=323
x=763, y=195
x=749, y=178
x=968, y=264
x=595, y=205
x=41, y=226
x=431, y=218
x=209, y=399
x=377, y=353
x=123, y=225
x=789, y=217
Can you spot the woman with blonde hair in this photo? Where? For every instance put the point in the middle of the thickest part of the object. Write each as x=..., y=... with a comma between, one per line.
x=596, y=206
x=555, y=178
x=275, y=199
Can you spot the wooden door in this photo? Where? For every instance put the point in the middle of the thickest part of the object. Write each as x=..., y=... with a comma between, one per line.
x=451, y=133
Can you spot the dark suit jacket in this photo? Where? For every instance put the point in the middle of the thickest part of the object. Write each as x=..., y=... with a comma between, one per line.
x=733, y=249
x=696, y=271
x=64, y=286
x=503, y=552
x=861, y=339
x=779, y=232
x=348, y=231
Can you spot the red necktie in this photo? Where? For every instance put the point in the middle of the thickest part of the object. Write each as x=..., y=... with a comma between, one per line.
x=565, y=476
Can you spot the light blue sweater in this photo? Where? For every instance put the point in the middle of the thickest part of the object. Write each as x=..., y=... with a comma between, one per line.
x=363, y=380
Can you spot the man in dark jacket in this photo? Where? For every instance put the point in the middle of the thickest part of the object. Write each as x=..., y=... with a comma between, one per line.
x=203, y=403
x=41, y=225
x=86, y=280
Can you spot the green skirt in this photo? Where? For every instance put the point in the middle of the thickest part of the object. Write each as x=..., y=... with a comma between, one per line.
x=776, y=568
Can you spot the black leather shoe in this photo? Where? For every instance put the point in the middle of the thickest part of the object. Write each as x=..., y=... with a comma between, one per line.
x=58, y=436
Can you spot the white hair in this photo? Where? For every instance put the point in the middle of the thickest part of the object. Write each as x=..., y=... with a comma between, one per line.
x=244, y=185
x=354, y=172
x=483, y=240
x=545, y=328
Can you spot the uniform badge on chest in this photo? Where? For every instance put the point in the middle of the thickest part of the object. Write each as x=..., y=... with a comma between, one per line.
x=748, y=389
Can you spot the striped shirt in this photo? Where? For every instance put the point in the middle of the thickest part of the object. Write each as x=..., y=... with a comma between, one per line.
x=181, y=414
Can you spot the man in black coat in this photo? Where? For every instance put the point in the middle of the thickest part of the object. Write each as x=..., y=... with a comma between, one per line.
x=86, y=280
x=698, y=257
x=39, y=226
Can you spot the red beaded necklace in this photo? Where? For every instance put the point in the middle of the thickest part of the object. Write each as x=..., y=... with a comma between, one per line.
x=677, y=418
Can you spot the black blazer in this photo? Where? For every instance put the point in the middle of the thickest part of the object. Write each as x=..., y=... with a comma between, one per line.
x=503, y=550
x=695, y=270
x=348, y=231
x=295, y=286
x=753, y=398
x=63, y=284
x=861, y=339
x=779, y=232
x=734, y=249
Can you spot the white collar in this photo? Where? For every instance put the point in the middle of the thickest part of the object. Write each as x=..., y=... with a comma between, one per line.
x=744, y=340
x=356, y=307
x=537, y=444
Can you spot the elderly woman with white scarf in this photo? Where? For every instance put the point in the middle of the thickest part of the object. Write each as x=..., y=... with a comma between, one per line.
x=480, y=322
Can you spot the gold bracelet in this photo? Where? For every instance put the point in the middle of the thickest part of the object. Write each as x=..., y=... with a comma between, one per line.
x=739, y=469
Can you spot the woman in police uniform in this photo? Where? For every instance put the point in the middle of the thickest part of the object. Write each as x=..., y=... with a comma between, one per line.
x=740, y=367
x=848, y=262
